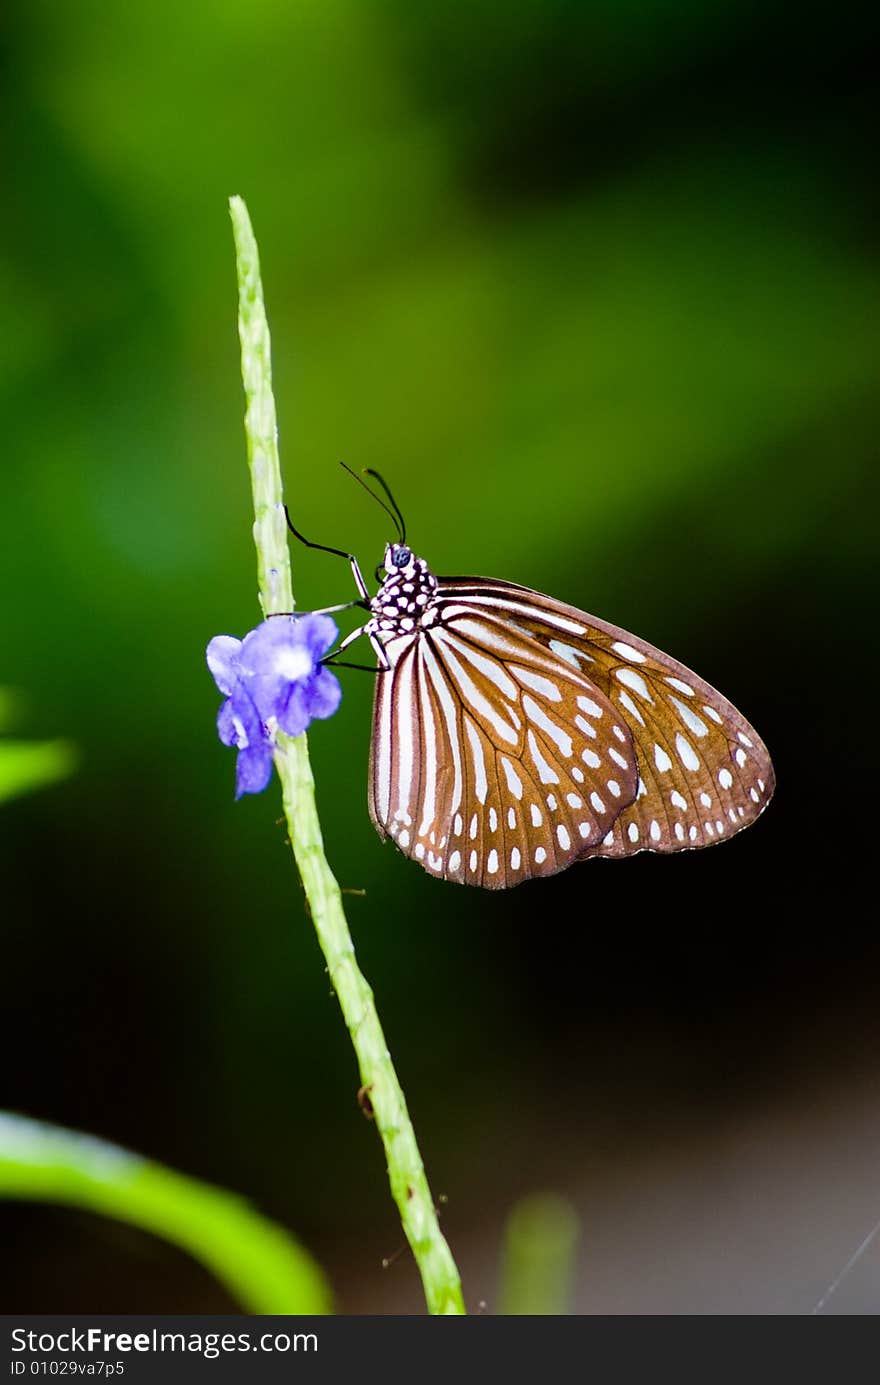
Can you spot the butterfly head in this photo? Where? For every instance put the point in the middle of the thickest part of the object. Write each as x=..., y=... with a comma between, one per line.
x=407, y=589
x=399, y=559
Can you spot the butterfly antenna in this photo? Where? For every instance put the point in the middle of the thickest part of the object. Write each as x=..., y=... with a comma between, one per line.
x=392, y=513
x=368, y=471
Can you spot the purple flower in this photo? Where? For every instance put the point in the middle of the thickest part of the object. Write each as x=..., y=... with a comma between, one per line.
x=272, y=680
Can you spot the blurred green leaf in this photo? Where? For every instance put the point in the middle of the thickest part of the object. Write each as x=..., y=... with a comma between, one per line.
x=26, y=765
x=259, y=1263
x=540, y=1241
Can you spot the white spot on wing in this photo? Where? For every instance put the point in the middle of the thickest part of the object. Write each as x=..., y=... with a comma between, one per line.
x=546, y=773
x=481, y=783
x=626, y=701
x=514, y=783
x=566, y=652
x=538, y=684
x=591, y=708
x=492, y=862
x=690, y=719
x=635, y=681
x=556, y=733
x=686, y=753
x=626, y=651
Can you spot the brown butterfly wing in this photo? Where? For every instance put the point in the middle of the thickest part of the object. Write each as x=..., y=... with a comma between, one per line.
x=493, y=760
x=704, y=772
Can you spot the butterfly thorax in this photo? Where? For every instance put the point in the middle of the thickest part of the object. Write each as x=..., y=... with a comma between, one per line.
x=406, y=600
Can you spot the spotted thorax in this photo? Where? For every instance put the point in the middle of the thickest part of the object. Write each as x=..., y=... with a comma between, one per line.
x=406, y=598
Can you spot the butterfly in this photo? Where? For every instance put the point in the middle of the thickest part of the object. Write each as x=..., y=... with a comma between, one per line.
x=514, y=734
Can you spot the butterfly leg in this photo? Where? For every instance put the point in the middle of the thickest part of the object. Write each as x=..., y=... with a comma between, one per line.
x=337, y=552
x=384, y=662
x=322, y=610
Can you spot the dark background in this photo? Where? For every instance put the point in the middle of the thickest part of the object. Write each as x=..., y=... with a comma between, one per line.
x=595, y=286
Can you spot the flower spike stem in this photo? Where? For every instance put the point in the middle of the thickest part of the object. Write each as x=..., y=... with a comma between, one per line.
x=409, y=1186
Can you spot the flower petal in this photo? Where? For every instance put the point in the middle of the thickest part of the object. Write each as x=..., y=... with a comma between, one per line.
x=223, y=661
x=238, y=722
x=318, y=634
x=253, y=769
x=260, y=647
x=323, y=694
x=293, y=713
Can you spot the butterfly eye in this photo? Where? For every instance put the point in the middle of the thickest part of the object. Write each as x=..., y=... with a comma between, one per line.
x=402, y=556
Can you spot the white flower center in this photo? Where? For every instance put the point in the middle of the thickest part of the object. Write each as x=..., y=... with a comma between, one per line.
x=294, y=663
x=242, y=736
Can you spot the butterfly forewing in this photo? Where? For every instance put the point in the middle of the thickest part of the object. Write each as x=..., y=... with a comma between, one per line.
x=704, y=772
x=493, y=760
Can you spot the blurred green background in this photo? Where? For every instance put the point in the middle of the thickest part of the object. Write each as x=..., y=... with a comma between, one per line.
x=595, y=287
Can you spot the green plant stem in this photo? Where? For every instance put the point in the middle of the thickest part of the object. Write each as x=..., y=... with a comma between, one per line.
x=259, y=1263
x=409, y=1185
